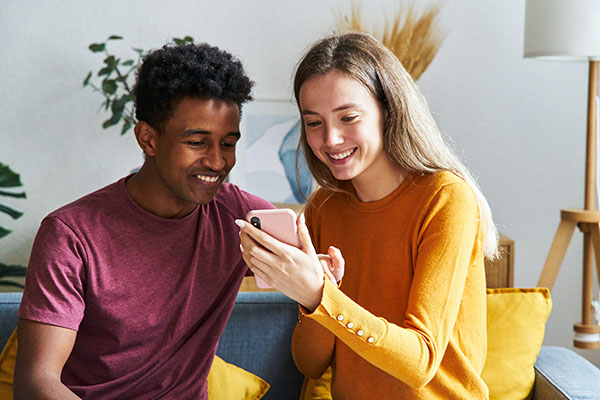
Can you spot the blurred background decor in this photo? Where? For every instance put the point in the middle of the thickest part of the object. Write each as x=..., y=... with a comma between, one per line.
x=8, y=180
x=117, y=77
x=413, y=36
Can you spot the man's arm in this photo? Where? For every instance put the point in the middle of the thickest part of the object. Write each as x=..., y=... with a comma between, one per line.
x=42, y=353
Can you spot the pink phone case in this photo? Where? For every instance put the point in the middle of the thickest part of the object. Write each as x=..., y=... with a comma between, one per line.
x=279, y=223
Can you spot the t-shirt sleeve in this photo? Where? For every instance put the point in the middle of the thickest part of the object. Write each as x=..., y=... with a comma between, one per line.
x=55, y=282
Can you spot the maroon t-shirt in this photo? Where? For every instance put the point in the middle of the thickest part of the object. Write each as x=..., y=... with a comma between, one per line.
x=149, y=296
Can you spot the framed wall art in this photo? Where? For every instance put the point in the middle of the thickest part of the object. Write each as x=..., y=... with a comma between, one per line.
x=266, y=153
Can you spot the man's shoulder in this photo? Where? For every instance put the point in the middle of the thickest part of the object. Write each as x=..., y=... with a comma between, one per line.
x=91, y=203
x=237, y=201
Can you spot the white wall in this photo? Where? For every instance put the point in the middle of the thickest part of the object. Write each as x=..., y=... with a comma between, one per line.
x=519, y=124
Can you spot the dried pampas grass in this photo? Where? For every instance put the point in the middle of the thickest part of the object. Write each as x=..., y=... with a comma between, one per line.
x=413, y=38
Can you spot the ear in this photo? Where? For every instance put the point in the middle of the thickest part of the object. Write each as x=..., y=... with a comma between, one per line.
x=146, y=137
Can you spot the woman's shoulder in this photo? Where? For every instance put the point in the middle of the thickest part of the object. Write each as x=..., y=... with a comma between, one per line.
x=445, y=182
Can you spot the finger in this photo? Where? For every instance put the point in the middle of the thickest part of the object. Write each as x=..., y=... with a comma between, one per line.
x=304, y=237
x=261, y=237
x=325, y=261
x=338, y=264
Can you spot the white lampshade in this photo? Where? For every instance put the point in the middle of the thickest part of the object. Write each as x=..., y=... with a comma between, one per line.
x=562, y=30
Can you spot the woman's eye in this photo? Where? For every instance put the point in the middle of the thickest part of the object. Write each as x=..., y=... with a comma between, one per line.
x=312, y=124
x=349, y=118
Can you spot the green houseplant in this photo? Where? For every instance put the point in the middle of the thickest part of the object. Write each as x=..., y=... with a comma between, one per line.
x=114, y=80
x=8, y=180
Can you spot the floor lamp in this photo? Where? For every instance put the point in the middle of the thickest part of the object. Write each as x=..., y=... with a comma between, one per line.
x=569, y=30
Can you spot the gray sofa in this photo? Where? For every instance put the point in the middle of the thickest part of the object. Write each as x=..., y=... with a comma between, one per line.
x=258, y=334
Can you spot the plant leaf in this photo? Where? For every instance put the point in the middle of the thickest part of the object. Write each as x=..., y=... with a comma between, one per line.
x=9, y=178
x=114, y=37
x=20, y=195
x=126, y=127
x=128, y=63
x=113, y=120
x=11, y=283
x=109, y=86
x=111, y=61
x=139, y=51
x=10, y=211
x=97, y=47
x=12, y=270
x=106, y=71
x=4, y=232
x=87, y=79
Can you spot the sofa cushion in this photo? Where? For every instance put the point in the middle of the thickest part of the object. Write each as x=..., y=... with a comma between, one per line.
x=516, y=320
x=225, y=381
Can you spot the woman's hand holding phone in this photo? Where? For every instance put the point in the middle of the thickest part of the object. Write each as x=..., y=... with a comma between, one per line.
x=296, y=271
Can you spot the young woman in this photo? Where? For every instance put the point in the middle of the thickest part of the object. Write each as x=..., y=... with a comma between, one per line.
x=408, y=320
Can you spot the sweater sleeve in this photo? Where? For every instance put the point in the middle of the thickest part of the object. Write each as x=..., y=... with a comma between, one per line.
x=445, y=246
x=312, y=343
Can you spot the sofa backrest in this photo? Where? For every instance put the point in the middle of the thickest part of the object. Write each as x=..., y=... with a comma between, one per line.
x=257, y=338
x=9, y=306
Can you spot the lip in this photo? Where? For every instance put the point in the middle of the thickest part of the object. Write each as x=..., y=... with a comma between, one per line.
x=343, y=160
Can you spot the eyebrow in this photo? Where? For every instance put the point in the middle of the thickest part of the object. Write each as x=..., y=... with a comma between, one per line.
x=340, y=108
x=192, y=132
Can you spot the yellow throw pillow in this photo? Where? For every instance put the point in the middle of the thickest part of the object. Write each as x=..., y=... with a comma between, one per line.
x=317, y=389
x=516, y=320
x=229, y=382
x=225, y=381
x=7, y=367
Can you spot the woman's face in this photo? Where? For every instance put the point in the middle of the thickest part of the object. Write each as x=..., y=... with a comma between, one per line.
x=344, y=127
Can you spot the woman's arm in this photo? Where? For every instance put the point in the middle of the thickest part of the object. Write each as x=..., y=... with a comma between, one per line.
x=312, y=347
x=447, y=245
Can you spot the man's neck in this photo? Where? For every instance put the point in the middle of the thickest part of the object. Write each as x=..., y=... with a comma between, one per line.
x=144, y=190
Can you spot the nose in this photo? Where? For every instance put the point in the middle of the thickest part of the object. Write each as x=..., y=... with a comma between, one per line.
x=214, y=159
x=332, y=135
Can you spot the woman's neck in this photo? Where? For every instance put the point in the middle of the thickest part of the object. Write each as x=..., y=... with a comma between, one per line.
x=376, y=186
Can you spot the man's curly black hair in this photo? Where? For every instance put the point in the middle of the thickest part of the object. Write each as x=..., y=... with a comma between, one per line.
x=199, y=70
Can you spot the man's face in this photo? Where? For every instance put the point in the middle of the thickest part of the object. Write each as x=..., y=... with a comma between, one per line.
x=196, y=150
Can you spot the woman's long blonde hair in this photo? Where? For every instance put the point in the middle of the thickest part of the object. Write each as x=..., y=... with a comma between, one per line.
x=411, y=137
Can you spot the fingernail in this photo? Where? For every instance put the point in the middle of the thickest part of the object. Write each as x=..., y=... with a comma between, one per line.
x=241, y=248
x=239, y=223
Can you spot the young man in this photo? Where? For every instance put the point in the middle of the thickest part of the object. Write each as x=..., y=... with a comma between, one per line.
x=129, y=288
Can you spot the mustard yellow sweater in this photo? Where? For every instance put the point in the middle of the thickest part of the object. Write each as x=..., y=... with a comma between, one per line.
x=409, y=319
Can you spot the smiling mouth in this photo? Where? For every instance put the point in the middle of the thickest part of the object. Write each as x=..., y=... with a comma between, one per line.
x=342, y=155
x=208, y=179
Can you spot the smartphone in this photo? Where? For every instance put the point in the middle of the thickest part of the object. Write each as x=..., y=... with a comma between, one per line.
x=279, y=223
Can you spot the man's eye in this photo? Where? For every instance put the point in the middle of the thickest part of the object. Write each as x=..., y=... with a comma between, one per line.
x=200, y=143
x=228, y=144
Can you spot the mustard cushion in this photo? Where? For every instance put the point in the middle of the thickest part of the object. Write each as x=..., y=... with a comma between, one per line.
x=225, y=381
x=229, y=382
x=317, y=389
x=516, y=320
x=7, y=367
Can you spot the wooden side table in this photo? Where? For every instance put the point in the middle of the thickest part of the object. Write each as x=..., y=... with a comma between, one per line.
x=500, y=272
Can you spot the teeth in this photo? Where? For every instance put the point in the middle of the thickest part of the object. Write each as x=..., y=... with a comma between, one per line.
x=209, y=179
x=340, y=156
